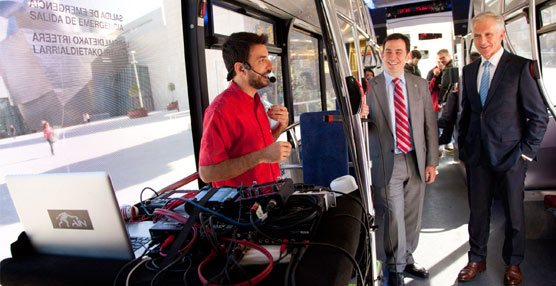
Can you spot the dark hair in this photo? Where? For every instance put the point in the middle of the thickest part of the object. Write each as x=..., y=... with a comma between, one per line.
x=368, y=69
x=397, y=36
x=415, y=54
x=236, y=49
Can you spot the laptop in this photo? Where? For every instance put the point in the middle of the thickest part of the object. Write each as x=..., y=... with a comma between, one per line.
x=74, y=214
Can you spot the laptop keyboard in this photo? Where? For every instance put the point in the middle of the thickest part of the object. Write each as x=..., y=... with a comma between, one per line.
x=138, y=242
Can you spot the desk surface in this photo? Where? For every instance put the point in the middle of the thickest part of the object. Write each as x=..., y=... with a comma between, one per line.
x=320, y=265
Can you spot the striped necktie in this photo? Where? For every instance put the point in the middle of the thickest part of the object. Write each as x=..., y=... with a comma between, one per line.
x=483, y=90
x=403, y=138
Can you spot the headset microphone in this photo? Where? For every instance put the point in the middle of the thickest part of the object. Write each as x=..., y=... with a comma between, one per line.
x=270, y=78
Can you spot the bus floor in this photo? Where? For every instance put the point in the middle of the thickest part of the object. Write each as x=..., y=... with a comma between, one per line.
x=443, y=243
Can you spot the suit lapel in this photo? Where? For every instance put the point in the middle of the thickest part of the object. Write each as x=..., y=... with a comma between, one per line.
x=382, y=99
x=498, y=74
x=412, y=98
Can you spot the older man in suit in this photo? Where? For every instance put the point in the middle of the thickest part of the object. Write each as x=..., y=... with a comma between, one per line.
x=502, y=124
x=404, y=151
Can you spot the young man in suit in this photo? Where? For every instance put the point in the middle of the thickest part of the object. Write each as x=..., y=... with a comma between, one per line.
x=502, y=124
x=404, y=151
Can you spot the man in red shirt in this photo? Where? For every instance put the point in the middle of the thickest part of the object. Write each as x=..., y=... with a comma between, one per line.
x=238, y=144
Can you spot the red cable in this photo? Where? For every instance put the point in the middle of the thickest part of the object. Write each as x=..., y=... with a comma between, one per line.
x=255, y=280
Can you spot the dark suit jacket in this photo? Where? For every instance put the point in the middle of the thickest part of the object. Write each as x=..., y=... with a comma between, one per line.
x=423, y=125
x=513, y=120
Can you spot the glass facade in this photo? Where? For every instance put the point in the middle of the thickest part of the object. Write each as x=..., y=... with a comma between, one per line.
x=88, y=68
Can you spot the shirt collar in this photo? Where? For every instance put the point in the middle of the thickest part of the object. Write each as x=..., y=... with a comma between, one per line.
x=495, y=59
x=235, y=88
x=390, y=78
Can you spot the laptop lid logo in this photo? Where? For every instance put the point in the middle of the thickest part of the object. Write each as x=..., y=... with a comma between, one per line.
x=70, y=219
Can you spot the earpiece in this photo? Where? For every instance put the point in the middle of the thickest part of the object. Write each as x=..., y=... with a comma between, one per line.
x=247, y=66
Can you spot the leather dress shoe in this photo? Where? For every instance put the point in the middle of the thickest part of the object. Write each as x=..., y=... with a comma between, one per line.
x=470, y=271
x=512, y=276
x=417, y=271
x=395, y=279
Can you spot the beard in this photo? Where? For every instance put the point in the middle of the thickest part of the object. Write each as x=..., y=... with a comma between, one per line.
x=256, y=81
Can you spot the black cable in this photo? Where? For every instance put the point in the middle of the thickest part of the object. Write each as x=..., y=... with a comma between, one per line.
x=248, y=279
x=130, y=263
x=345, y=252
x=366, y=253
x=180, y=257
x=290, y=265
x=143, y=203
x=187, y=270
x=257, y=229
x=297, y=260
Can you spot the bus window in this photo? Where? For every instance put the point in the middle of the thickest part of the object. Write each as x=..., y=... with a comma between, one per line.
x=548, y=15
x=548, y=62
x=520, y=39
x=304, y=68
x=216, y=73
x=510, y=4
x=330, y=94
x=227, y=22
x=109, y=77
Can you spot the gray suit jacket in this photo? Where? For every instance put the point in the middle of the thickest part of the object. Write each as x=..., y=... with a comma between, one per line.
x=423, y=124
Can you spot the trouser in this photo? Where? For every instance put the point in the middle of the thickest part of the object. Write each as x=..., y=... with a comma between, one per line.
x=483, y=182
x=51, y=145
x=403, y=201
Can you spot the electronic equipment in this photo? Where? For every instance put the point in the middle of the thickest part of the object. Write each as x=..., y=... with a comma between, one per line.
x=73, y=214
x=163, y=199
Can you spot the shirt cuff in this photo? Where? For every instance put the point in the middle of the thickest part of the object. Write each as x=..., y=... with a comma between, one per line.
x=526, y=158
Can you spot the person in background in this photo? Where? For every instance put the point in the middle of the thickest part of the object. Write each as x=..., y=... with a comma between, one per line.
x=448, y=117
x=238, y=146
x=404, y=151
x=48, y=134
x=502, y=124
x=412, y=65
x=369, y=73
x=12, y=131
x=439, y=79
x=433, y=77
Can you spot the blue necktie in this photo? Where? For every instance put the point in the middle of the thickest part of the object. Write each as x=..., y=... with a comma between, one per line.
x=483, y=90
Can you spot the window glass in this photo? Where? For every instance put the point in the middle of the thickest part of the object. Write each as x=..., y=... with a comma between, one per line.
x=510, y=4
x=227, y=22
x=216, y=78
x=518, y=33
x=492, y=6
x=304, y=67
x=87, y=68
x=330, y=94
x=548, y=15
x=548, y=60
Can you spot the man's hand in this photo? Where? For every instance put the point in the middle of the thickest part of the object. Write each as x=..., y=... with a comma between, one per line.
x=279, y=113
x=364, y=110
x=276, y=152
x=430, y=174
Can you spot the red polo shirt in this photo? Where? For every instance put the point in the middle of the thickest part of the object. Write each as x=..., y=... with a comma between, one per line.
x=236, y=124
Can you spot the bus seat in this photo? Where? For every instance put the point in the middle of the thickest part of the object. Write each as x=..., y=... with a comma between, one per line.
x=325, y=151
